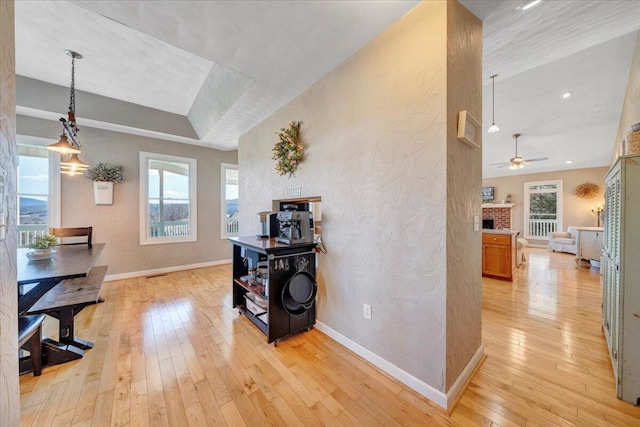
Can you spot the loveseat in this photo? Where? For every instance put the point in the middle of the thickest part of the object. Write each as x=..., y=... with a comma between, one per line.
x=560, y=241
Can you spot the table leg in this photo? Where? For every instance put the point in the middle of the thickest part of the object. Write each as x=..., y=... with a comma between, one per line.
x=67, y=333
x=54, y=353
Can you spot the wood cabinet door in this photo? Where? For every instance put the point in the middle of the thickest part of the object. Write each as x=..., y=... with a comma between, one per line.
x=496, y=260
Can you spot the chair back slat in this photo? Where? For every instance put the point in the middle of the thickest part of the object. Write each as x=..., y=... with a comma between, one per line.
x=73, y=232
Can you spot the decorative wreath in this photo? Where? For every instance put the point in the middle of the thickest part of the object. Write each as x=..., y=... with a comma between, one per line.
x=587, y=190
x=288, y=151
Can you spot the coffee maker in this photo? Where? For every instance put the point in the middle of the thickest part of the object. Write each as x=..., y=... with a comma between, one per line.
x=294, y=226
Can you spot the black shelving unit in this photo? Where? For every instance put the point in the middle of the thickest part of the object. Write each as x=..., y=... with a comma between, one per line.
x=283, y=262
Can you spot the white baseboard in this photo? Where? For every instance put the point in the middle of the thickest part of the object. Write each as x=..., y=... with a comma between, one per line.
x=458, y=385
x=532, y=245
x=436, y=396
x=112, y=277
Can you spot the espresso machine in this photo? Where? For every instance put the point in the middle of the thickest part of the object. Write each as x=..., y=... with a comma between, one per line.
x=294, y=226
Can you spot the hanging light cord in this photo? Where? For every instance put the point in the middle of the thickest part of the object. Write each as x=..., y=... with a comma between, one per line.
x=493, y=128
x=69, y=126
x=493, y=99
x=72, y=95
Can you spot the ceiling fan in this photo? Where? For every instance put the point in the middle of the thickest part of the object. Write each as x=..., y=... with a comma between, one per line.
x=517, y=162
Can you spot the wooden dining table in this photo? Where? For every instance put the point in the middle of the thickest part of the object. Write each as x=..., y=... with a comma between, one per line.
x=36, y=278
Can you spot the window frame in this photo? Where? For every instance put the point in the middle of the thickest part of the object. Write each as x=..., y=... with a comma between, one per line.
x=145, y=157
x=527, y=205
x=54, y=189
x=223, y=198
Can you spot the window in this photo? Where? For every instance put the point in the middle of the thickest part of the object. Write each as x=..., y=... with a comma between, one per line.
x=168, y=192
x=38, y=192
x=542, y=208
x=229, y=200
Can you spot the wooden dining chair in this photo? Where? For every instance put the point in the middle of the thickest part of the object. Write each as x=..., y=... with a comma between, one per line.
x=64, y=233
x=30, y=339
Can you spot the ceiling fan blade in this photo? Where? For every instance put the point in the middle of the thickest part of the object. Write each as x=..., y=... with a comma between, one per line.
x=504, y=165
x=536, y=160
x=500, y=164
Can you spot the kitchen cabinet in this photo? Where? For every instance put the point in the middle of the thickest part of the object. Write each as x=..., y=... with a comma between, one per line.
x=499, y=253
x=621, y=275
x=264, y=305
x=590, y=243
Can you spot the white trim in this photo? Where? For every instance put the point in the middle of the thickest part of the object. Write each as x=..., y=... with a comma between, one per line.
x=132, y=274
x=97, y=124
x=434, y=395
x=223, y=199
x=559, y=204
x=55, y=194
x=144, y=204
x=458, y=385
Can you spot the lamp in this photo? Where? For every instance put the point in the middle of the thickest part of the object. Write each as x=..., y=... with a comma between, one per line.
x=63, y=146
x=598, y=210
x=493, y=128
x=73, y=164
x=69, y=143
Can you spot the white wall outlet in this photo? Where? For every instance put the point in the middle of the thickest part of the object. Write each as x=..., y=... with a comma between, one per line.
x=367, y=311
x=293, y=191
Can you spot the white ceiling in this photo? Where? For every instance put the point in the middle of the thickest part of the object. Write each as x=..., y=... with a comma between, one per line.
x=557, y=46
x=142, y=52
x=175, y=56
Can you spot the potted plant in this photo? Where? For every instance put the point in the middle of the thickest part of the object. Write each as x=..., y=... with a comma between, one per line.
x=42, y=245
x=103, y=177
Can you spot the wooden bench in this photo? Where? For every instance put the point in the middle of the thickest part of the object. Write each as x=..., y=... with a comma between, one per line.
x=67, y=299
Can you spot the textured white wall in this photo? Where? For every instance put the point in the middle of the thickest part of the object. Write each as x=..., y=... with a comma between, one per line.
x=464, y=175
x=631, y=108
x=575, y=211
x=9, y=391
x=117, y=224
x=375, y=131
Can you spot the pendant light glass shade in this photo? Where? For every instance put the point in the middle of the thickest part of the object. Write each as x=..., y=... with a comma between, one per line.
x=73, y=165
x=63, y=146
x=493, y=128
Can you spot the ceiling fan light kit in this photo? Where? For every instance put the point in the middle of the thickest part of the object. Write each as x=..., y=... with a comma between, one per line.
x=493, y=128
x=517, y=162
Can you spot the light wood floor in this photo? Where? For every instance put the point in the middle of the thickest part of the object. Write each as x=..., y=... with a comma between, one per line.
x=170, y=351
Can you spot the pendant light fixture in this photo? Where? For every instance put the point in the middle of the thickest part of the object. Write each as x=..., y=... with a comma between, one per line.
x=73, y=165
x=69, y=143
x=493, y=128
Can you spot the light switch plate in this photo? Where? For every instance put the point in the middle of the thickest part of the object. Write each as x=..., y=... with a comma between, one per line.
x=367, y=311
x=476, y=223
x=293, y=191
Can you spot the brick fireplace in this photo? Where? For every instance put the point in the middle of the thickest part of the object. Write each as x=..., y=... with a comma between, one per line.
x=499, y=213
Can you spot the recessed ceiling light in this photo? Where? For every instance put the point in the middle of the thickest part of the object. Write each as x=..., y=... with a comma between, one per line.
x=567, y=95
x=528, y=4
x=569, y=162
